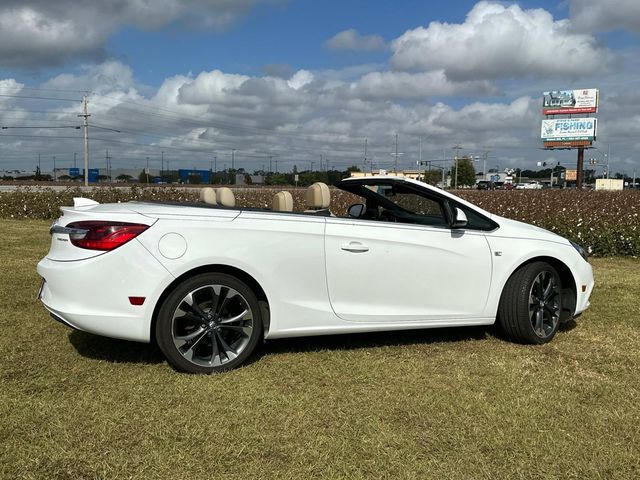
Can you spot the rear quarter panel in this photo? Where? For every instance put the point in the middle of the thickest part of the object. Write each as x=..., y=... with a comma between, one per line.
x=283, y=253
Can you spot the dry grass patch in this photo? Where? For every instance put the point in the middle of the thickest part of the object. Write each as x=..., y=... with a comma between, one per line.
x=457, y=403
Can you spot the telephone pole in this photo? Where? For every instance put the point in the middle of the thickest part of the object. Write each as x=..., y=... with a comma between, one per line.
x=85, y=124
x=396, y=155
x=55, y=177
x=365, y=156
x=457, y=148
x=108, y=159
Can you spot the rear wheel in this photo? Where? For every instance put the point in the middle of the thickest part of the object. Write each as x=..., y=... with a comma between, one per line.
x=531, y=304
x=209, y=323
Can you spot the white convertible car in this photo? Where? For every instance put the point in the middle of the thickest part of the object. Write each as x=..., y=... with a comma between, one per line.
x=208, y=281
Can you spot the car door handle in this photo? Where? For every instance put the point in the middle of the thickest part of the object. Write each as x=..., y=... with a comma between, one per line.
x=354, y=247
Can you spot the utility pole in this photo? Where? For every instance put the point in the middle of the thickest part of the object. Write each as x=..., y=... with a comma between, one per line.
x=270, y=157
x=311, y=165
x=55, y=177
x=420, y=149
x=396, y=155
x=161, y=163
x=147, y=170
x=396, y=166
x=484, y=166
x=365, y=156
x=457, y=148
x=85, y=124
x=108, y=159
x=233, y=157
x=276, y=166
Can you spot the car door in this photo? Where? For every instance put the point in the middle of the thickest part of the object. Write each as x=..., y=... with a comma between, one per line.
x=383, y=271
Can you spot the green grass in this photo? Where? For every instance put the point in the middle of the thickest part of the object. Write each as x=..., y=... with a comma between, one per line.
x=457, y=403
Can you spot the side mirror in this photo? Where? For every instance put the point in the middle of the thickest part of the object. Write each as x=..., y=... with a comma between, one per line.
x=356, y=210
x=460, y=219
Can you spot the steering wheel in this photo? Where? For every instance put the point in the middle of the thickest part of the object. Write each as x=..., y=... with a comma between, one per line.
x=388, y=216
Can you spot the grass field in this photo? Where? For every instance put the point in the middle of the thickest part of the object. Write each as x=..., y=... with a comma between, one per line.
x=457, y=403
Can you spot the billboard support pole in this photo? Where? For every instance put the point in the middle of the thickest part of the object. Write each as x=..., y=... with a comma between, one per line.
x=579, y=168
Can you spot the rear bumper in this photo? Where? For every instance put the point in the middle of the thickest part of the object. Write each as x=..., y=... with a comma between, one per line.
x=92, y=295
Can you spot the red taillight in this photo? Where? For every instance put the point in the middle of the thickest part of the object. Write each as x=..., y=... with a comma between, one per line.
x=103, y=235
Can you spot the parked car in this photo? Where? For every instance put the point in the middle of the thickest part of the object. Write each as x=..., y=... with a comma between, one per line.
x=209, y=281
x=533, y=185
x=485, y=185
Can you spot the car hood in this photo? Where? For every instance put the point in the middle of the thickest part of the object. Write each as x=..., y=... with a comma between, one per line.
x=515, y=229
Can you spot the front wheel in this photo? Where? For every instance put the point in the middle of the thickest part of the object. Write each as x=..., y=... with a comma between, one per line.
x=209, y=323
x=531, y=304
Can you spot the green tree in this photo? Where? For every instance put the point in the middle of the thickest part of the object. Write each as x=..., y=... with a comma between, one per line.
x=432, y=177
x=466, y=173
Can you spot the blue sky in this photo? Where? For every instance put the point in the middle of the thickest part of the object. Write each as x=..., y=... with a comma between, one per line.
x=298, y=79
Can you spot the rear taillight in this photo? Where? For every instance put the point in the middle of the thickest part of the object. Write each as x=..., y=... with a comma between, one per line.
x=103, y=235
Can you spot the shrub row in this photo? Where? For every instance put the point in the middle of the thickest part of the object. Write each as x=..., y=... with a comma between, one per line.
x=605, y=223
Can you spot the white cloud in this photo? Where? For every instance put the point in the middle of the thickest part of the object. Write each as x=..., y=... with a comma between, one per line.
x=498, y=41
x=210, y=87
x=352, y=40
x=300, y=79
x=37, y=33
x=403, y=85
x=601, y=15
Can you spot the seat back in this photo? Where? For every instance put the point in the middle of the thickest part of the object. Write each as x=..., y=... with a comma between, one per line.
x=225, y=197
x=282, y=202
x=208, y=195
x=318, y=198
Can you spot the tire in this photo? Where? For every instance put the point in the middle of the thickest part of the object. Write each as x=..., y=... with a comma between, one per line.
x=210, y=323
x=531, y=304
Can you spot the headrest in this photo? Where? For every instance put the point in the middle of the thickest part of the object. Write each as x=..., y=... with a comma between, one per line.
x=225, y=197
x=282, y=202
x=208, y=195
x=317, y=196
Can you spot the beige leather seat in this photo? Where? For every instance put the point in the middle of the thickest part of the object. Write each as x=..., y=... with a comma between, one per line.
x=282, y=202
x=208, y=195
x=318, y=198
x=225, y=197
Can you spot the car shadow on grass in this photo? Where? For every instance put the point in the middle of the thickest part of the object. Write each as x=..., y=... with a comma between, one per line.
x=114, y=350
x=377, y=339
x=122, y=351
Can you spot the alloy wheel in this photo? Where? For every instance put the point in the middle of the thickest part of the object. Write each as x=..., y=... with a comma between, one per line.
x=212, y=325
x=544, y=304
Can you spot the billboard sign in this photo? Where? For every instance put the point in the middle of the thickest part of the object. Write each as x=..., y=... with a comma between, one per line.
x=564, y=102
x=568, y=129
x=571, y=175
x=94, y=175
x=74, y=172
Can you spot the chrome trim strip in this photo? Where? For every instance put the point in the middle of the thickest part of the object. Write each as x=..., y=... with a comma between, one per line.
x=71, y=231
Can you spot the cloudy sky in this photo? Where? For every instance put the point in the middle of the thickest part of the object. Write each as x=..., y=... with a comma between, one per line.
x=302, y=81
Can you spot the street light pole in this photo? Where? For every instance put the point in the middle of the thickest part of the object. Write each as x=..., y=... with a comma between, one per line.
x=147, y=170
